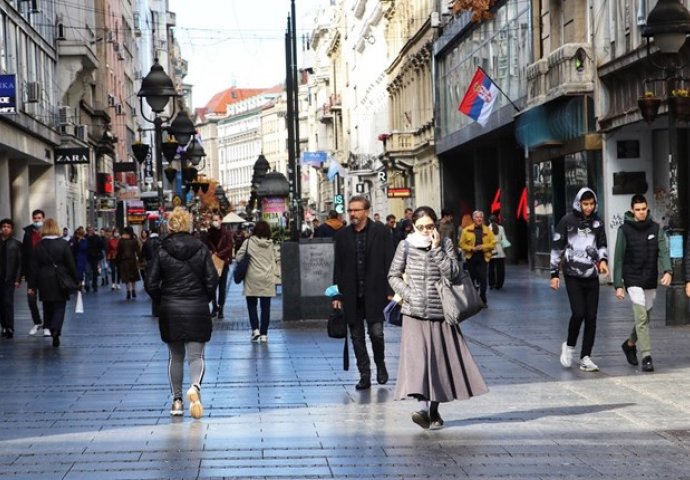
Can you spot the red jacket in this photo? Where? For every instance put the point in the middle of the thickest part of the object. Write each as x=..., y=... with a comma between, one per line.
x=219, y=241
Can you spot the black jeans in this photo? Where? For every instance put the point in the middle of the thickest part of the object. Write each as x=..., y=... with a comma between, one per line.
x=583, y=294
x=92, y=272
x=497, y=272
x=54, y=316
x=254, y=316
x=477, y=268
x=222, y=288
x=114, y=272
x=33, y=307
x=7, y=305
x=359, y=343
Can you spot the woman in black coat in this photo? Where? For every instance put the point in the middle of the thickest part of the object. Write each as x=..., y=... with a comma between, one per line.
x=51, y=252
x=181, y=279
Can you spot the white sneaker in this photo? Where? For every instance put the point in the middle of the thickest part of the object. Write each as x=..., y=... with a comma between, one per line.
x=196, y=410
x=46, y=332
x=35, y=329
x=567, y=355
x=263, y=339
x=587, y=365
x=255, y=336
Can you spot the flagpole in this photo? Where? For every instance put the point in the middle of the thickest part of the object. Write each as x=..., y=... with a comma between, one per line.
x=499, y=89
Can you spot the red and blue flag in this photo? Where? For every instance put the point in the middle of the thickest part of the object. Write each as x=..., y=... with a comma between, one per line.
x=479, y=98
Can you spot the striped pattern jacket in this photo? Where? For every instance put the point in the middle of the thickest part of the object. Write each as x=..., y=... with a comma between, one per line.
x=422, y=269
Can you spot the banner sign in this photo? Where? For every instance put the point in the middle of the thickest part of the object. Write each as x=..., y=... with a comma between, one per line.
x=71, y=156
x=399, y=192
x=8, y=93
x=315, y=159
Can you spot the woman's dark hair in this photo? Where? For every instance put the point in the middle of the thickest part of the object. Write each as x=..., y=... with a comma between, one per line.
x=493, y=220
x=262, y=229
x=424, y=212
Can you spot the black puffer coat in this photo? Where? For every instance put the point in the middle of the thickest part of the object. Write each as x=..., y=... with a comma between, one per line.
x=49, y=253
x=182, y=278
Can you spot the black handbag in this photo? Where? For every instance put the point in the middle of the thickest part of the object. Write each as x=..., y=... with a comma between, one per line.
x=393, y=313
x=337, y=328
x=459, y=298
x=242, y=266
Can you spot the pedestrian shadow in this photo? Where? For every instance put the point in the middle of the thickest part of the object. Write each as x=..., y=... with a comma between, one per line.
x=519, y=416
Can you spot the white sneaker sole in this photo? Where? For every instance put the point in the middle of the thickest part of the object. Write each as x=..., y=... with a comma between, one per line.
x=585, y=368
x=196, y=409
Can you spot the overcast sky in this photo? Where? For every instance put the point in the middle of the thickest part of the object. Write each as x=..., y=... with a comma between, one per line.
x=240, y=42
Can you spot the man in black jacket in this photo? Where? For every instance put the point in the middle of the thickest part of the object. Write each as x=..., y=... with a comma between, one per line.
x=10, y=275
x=32, y=235
x=363, y=254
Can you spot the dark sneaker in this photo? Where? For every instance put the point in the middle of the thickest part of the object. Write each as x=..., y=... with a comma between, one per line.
x=436, y=422
x=647, y=365
x=364, y=383
x=421, y=418
x=381, y=374
x=56, y=340
x=630, y=353
x=9, y=333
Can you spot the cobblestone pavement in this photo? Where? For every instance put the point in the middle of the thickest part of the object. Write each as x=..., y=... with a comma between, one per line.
x=98, y=406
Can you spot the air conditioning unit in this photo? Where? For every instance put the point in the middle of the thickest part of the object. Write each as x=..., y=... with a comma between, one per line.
x=111, y=100
x=82, y=132
x=33, y=92
x=64, y=115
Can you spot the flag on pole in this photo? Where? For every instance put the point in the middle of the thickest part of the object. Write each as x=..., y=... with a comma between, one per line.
x=335, y=168
x=479, y=98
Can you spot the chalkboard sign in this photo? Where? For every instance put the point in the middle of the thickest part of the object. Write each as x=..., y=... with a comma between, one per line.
x=316, y=262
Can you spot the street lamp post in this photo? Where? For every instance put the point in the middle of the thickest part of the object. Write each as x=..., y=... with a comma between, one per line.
x=668, y=24
x=157, y=88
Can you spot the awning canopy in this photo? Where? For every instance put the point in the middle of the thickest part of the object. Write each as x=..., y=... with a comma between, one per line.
x=232, y=217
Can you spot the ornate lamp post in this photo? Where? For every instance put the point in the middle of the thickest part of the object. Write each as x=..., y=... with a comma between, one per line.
x=157, y=89
x=668, y=24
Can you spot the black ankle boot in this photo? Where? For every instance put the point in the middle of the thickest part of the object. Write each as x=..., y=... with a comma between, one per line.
x=364, y=383
x=134, y=294
x=381, y=374
x=129, y=294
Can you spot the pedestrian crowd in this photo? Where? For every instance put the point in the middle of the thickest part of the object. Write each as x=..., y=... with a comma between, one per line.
x=185, y=273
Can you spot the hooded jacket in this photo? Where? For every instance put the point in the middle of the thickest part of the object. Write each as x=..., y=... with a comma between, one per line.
x=262, y=274
x=328, y=228
x=640, y=247
x=183, y=280
x=579, y=243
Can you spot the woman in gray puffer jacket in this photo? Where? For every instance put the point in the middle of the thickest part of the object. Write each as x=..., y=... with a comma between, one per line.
x=435, y=364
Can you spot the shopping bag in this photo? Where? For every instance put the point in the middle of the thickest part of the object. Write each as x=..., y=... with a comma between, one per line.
x=79, y=305
x=219, y=263
x=459, y=298
x=393, y=313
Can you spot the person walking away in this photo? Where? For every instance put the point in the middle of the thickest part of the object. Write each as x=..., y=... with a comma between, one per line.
x=579, y=244
x=640, y=246
x=128, y=254
x=218, y=239
x=330, y=227
x=497, y=264
x=32, y=236
x=79, y=247
x=149, y=250
x=260, y=280
x=477, y=241
x=10, y=275
x=141, y=261
x=363, y=254
x=94, y=253
x=435, y=364
x=181, y=279
x=103, y=264
x=111, y=256
x=51, y=254
x=446, y=227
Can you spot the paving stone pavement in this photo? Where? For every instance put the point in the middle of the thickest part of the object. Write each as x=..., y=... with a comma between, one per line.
x=98, y=406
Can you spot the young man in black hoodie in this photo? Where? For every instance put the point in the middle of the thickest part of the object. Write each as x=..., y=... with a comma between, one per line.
x=579, y=242
x=640, y=246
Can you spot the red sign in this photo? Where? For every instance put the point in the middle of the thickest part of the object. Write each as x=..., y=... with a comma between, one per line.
x=399, y=192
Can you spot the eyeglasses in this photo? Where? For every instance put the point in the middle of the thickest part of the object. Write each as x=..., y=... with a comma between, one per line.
x=353, y=210
x=428, y=227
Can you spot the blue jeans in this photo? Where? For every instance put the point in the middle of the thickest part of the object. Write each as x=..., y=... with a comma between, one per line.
x=265, y=313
